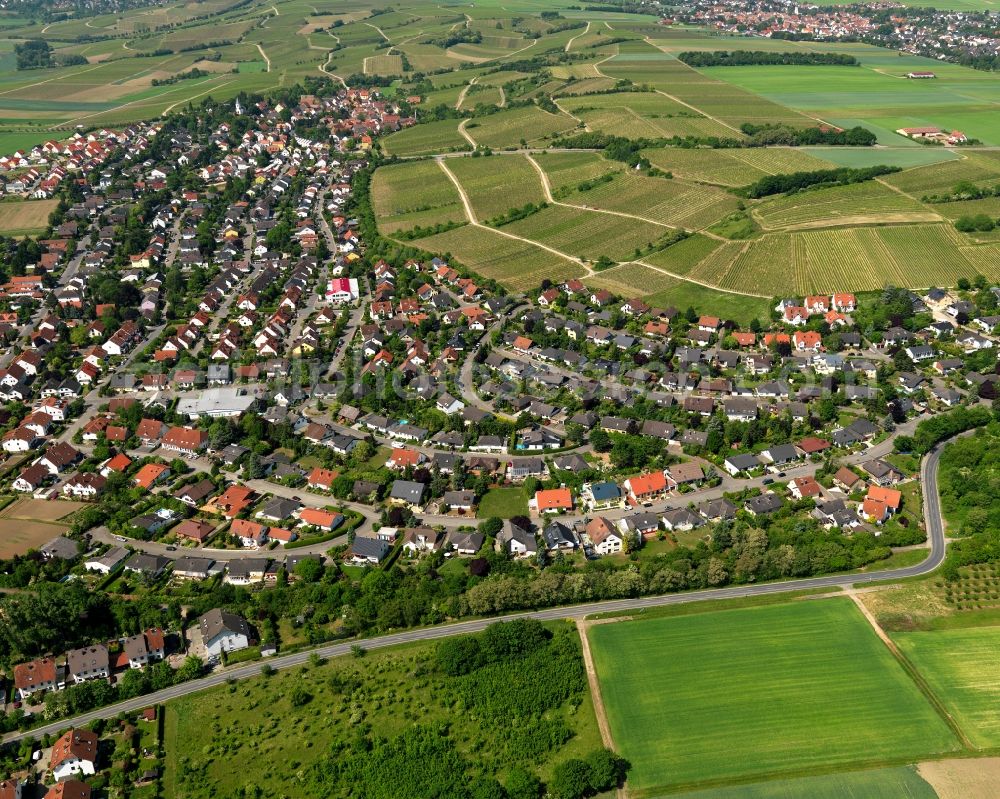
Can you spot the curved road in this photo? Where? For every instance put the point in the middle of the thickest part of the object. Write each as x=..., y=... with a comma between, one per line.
x=935, y=535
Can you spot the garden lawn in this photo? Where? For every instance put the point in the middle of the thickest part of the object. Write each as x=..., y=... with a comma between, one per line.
x=504, y=503
x=739, y=693
x=962, y=669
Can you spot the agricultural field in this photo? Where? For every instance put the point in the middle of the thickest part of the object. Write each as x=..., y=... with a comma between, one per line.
x=641, y=115
x=384, y=65
x=816, y=689
x=860, y=157
x=631, y=280
x=509, y=128
x=958, y=99
x=410, y=194
x=481, y=95
x=981, y=168
x=733, y=167
x=587, y=234
x=496, y=184
x=727, y=104
x=20, y=218
x=431, y=137
x=31, y=523
x=668, y=202
x=856, y=204
x=684, y=256
x=567, y=169
x=961, y=669
x=865, y=258
x=517, y=264
x=880, y=783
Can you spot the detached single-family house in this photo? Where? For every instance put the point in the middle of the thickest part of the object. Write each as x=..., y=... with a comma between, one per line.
x=222, y=631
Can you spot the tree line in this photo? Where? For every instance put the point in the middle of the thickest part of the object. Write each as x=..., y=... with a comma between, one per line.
x=795, y=181
x=743, y=58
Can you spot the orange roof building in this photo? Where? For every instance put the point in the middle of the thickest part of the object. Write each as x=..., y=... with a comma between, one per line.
x=553, y=499
x=892, y=498
x=150, y=474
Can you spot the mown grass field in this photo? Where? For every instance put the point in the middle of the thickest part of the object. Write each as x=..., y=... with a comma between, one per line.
x=732, y=694
x=962, y=669
x=28, y=216
x=503, y=503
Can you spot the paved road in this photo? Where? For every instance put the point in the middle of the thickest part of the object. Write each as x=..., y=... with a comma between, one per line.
x=935, y=533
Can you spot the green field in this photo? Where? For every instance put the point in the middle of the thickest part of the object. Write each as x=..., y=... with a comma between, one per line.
x=860, y=203
x=962, y=669
x=416, y=193
x=509, y=128
x=959, y=99
x=884, y=783
x=504, y=503
x=729, y=695
x=518, y=264
x=431, y=137
x=674, y=202
x=642, y=115
x=734, y=167
x=497, y=184
x=587, y=234
x=566, y=170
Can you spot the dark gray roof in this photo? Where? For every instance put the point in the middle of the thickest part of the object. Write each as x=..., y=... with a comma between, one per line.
x=217, y=622
x=364, y=547
x=407, y=490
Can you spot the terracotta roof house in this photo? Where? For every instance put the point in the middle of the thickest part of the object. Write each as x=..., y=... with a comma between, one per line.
x=73, y=753
x=553, y=499
x=151, y=474
x=36, y=675
x=185, y=439
x=193, y=530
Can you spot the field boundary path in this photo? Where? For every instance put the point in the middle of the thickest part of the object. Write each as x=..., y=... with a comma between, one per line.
x=465, y=91
x=914, y=674
x=465, y=134
x=600, y=711
x=570, y=42
x=935, y=534
x=267, y=61
x=470, y=214
x=547, y=190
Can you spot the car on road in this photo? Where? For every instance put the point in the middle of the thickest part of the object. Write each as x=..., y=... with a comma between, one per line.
x=767, y=481
x=120, y=538
x=171, y=548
